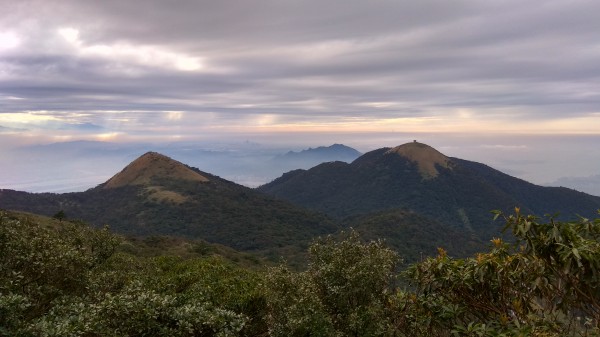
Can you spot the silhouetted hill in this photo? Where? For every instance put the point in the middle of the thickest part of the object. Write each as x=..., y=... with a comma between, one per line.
x=156, y=195
x=324, y=153
x=314, y=156
x=417, y=177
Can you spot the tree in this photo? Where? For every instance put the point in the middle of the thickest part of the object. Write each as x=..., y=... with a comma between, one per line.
x=68, y=280
x=60, y=215
x=345, y=291
x=544, y=284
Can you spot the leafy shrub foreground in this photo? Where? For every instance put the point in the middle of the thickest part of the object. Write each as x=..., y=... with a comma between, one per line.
x=68, y=280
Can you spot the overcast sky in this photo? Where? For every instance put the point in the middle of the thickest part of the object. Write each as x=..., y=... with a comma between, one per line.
x=193, y=69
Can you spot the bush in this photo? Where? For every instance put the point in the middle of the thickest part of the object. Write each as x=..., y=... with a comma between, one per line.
x=345, y=291
x=546, y=284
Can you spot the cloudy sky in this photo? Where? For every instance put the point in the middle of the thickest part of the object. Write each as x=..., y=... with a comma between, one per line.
x=153, y=70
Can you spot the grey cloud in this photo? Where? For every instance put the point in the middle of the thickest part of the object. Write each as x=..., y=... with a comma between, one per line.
x=272, y=57
x=4, y=129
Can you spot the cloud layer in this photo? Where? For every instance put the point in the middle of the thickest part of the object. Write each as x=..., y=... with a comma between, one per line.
x=106, y=69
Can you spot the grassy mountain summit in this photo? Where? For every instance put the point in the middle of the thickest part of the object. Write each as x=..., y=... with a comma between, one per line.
x=151, y=171
x=151, y=165
x=415, y=176
x=426, y=158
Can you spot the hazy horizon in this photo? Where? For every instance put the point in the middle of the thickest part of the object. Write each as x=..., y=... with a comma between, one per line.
x=510, y=84
x=80, y=165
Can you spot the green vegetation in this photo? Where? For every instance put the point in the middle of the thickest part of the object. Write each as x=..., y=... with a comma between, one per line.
x=459, y=196
x=69, y=280
x=63, y=278
x=216, y=211
x=415, y=237
x=60, y=215
x=408, y=195
x=545, y=285
x=344, y=292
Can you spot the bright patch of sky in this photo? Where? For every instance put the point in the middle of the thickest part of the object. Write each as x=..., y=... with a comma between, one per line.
x=8, y=40
x=151, y=56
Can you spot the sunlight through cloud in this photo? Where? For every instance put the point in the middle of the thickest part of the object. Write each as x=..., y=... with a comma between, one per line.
x=8, y=40
x=174, y=115
x=142, y=54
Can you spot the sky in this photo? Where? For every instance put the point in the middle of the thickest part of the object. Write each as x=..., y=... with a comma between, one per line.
x=506, y=75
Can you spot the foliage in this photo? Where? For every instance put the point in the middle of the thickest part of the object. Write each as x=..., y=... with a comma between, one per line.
x=217, y=211
x=545, y=285
x=42, y=264
x=60, y=215
x=344, y=292
x=63, y=278
x=414, y=236
x=67, y=280
x=154, y=246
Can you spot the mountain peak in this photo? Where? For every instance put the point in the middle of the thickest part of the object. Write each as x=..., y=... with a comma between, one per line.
x=425, y=156
x=151, y=165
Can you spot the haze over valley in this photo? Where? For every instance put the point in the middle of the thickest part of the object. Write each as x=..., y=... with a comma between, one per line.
x=79, y=165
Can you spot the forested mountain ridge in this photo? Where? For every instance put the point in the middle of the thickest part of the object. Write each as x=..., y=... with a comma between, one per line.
x=156, y=195
x=415, y=176
x=406, y=195
x=63, y=278
x=414, y=236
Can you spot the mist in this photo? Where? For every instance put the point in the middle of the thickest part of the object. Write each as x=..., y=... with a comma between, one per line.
x=255, y=159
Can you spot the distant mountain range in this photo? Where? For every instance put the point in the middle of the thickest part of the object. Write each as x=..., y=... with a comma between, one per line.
x=412, y=195
x=314, y=156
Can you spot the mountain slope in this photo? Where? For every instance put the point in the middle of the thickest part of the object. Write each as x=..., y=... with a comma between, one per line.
x=150, y=166
x=414, y=236
x=156, y=195
x=146, y=247
x=415, y=176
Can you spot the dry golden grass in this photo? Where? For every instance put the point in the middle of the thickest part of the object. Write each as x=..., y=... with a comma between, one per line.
x=152, y=164
x=157, y=194
x=424, y=156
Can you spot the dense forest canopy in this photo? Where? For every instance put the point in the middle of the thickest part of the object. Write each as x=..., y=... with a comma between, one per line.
x=63, y=278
